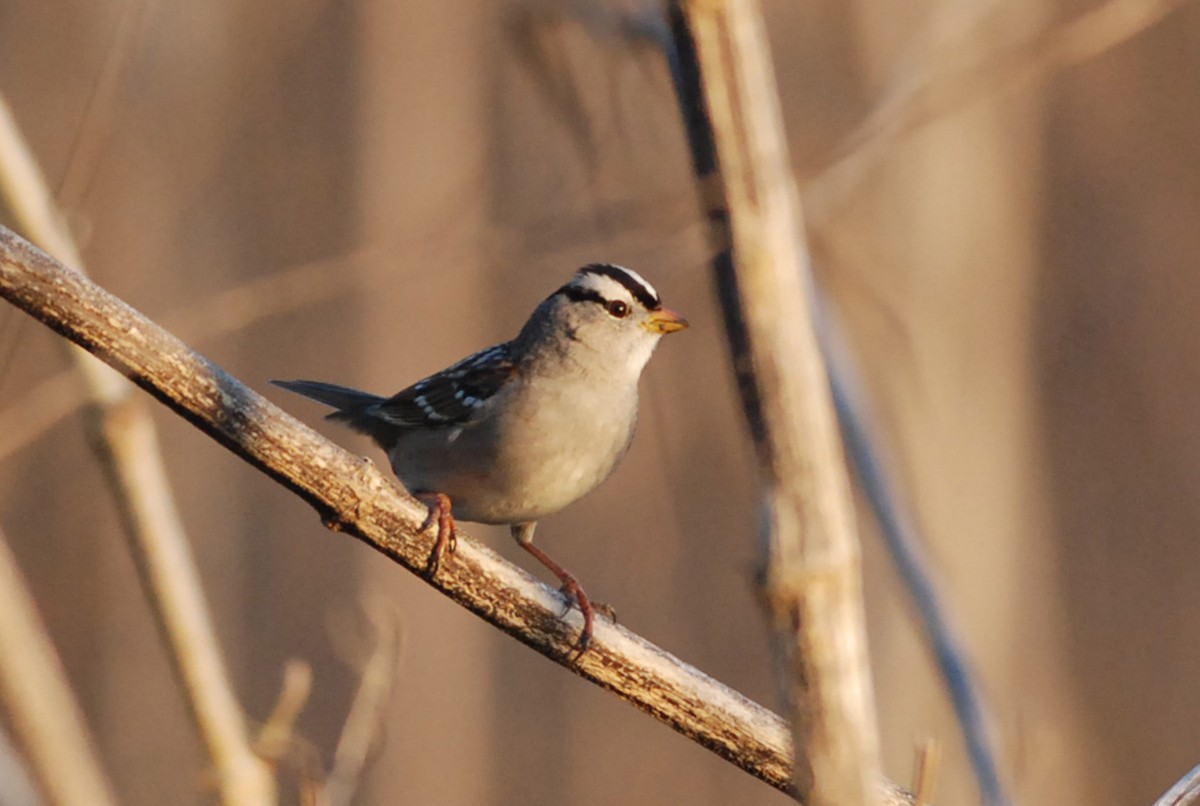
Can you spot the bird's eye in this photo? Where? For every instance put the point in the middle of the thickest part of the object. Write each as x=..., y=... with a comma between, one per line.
x=618, y=308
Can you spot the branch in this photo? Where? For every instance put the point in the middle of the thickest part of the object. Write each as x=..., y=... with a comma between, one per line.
x=351, y=495
x=46, y=719
x=812, y=577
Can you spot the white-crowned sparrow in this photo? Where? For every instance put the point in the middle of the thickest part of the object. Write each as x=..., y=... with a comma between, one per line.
x=521, y=430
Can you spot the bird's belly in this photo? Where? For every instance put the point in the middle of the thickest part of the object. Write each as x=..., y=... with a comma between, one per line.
x=523, y=467
x=527, y=492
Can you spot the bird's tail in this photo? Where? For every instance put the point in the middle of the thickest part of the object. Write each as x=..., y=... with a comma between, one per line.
x=353, y=407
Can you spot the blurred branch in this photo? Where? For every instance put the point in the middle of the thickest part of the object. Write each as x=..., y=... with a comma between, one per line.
x=914, y=568
x=97, y=122
x=365, y=720
x=124, y=438
x=46, y=719
x=923, y=98
x=16, y=786
x=1186, y=792
x=37, y=410
x=279, y=731
x=352, y=495
x=927, y=764
x=859, y=446
x=812, y=580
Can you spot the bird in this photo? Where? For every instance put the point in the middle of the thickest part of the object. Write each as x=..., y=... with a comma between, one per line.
x=522, y=429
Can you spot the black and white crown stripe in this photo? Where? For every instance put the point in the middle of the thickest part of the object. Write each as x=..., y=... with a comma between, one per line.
x=587, y=284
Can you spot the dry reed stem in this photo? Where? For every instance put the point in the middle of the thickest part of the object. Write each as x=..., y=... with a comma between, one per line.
x=813, y=576
x=45, y=718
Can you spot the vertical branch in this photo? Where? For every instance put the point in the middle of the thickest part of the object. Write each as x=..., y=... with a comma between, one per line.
x=36, y=694
x=124, y=437
x=812, y=580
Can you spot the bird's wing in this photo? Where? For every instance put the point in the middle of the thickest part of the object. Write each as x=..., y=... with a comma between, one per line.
x=452, y=396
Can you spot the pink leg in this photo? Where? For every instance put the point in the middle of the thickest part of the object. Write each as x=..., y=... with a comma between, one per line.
x=570, y=585
x=441, y=514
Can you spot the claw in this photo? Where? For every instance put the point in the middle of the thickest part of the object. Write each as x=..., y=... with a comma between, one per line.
x=575, y=595
x=440, y=512
x=608, y=610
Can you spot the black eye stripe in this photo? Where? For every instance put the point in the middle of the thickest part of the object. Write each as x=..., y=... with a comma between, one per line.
x=577, y=294
x=639, y=292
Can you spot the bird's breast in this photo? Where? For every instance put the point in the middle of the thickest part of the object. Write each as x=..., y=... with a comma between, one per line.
x=541, y=450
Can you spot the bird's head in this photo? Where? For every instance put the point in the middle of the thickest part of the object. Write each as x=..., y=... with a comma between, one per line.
x=609, y=313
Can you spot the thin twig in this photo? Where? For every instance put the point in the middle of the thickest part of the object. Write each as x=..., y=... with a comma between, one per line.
x=100, y=113
x=812, y=578
x=124, y=438
x=364, y=723
x=35, y=412
x=279, y=731
x=46, y=719
x=915, y=569
x=927, y=98
x=352, y=495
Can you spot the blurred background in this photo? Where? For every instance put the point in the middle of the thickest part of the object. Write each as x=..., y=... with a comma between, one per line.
x=1002, y=203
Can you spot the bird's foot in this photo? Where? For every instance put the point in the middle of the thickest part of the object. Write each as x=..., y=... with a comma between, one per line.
x=447, y=539
x=575, y=594
x=571, y=589
x=603, y=608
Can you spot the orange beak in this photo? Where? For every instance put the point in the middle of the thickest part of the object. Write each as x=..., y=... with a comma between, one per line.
x=665, y=320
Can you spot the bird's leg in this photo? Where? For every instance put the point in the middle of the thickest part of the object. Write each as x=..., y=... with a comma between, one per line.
x=523, y=534
x=447, y=540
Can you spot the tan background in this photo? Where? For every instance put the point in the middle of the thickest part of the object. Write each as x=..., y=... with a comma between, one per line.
x=1018, y=277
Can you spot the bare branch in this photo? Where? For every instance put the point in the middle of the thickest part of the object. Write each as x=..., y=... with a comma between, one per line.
x=46, y=718
x=352, y=495
x=812, y=580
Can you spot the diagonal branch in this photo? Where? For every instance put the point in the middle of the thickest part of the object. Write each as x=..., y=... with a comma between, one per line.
x=353, y=496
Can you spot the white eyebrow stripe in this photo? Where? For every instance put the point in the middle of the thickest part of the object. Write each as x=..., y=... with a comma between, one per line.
x=631, y=281
x=640, y=280
x=606, y=287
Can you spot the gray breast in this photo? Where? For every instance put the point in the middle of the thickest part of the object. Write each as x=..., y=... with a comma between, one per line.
x=537, y=447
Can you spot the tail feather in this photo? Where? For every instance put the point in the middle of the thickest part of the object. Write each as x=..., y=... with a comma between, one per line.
x=354, y=408
x=340, y=397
